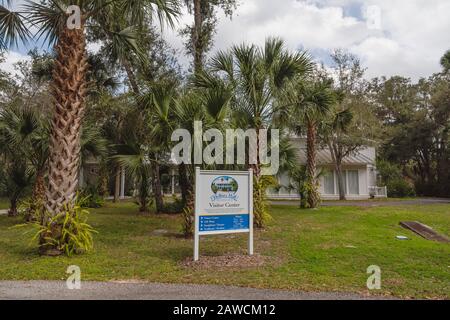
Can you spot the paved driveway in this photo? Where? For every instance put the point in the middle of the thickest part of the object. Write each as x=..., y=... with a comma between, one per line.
x=371, y=203
x=155, y=291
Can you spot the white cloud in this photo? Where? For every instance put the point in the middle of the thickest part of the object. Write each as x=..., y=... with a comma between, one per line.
x=413, y=36
x=12, y=58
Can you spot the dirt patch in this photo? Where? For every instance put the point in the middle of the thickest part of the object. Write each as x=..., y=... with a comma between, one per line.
x=229, y=261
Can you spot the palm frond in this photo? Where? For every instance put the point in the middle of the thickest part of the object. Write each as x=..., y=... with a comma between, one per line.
x=49, y=18
x=342, y=120
x=124, y=42
x=223, y=61
x=273, y=48
x=12, y=28
x=216, y=102
x=167, y=11
x=92, y=142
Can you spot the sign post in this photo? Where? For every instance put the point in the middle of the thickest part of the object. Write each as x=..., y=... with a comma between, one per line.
x=223, y=205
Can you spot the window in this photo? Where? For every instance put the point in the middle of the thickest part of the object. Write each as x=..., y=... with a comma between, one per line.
x=328, y=183
x=353, y=181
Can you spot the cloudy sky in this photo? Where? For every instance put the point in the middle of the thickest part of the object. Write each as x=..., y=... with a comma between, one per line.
x=405, y=37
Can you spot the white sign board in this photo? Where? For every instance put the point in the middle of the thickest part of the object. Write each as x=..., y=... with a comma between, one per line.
x=223, y=204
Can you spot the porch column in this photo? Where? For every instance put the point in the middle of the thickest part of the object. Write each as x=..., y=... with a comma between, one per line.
x=173, y=181
x=122, y=184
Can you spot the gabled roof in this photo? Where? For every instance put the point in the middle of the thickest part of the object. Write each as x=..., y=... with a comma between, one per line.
x=324, y=158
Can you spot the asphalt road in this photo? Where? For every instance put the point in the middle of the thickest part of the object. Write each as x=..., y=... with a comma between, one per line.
x=57, y=290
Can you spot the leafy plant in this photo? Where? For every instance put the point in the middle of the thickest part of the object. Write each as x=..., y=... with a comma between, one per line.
x=27, y=207
x=75, y=235
x=90, y=198
x=301, y=184
x=175, y=206
x=400, y=188
x=16, y=180
x=67, y=232
x=391, y=175
x=260, y=207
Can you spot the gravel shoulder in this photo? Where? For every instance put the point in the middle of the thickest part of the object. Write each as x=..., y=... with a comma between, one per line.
x=57, y=290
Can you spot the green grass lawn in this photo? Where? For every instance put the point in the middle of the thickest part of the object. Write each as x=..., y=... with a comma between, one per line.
x=351, y=201
x=4, y=203
x=315, y=250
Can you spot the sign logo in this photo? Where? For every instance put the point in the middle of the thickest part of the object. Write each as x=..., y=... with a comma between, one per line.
x=224, y=189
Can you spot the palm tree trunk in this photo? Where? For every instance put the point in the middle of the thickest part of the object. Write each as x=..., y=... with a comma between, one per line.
x=311, y=174
x=117, y=176
x=184, y=183
x=37, y=197
x=340, y=180
x=259, y=197
x=69, y=92
x=131, y=76
x=188, y=197
x=143, y=193
x=197, y=36
x=157, y=189
x=12, y=212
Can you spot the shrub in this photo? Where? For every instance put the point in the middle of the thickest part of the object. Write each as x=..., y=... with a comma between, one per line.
x=392, y=176
x=389, y=171
x=89, y=197
x=400, y=188
x=176, y=206
x=31, y=210
x=67, y=233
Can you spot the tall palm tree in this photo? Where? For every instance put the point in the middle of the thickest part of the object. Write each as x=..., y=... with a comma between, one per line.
x=134, y=157
x=209, y=104
x=119, y=55
x=159, y=104
x=69, y=75
x=334, y=132
x=188, y=108
x=258, y=76
x=310, y=102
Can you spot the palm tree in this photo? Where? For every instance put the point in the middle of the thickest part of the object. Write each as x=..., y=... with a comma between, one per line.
x=20, y=147
x=118, y=55
x=134, y=157
x=159, y=105
x=258, y=77
x=69, y=75
x=207, y=103
x=334, y=132
x=310, y=103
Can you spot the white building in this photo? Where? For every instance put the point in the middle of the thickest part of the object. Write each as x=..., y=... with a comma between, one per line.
x=359, y=172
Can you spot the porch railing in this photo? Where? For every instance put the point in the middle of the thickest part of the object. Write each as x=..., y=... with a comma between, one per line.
x=378, y=192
